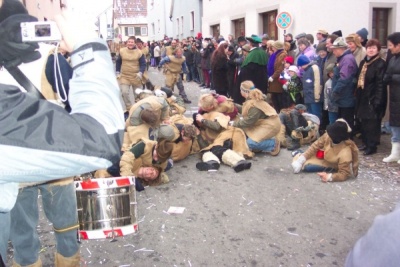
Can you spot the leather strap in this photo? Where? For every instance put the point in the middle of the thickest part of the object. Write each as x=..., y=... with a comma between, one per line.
x=20, y=77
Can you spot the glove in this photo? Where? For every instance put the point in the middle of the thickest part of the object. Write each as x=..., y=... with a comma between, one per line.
x=12, y=49
x=139, y=75
x=118, y=74
x=296, y=165
x=270, y=79
x=284, y=87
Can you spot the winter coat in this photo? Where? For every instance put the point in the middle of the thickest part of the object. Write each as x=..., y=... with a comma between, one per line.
x=206, y=58
x=371, y=100
x=344, y=81
x=275, y=86
x=311, y=84
x=219, y=70
x=392, y=78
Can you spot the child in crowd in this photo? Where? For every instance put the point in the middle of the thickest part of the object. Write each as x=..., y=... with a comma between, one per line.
x=328, y=105
x=294, y=86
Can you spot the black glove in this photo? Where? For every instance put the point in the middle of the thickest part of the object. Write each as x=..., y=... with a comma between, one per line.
x=138, y=185
x=12, y=50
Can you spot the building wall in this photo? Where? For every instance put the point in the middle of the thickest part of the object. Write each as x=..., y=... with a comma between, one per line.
x=159, y=18
x=308, y=16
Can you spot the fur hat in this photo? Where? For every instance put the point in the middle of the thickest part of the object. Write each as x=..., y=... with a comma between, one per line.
x=247, y=86
x=338, y=131
x=277, y=45
x=321, y=47
x=354, y=38
x=323, y=32
x=363, y=33
x=338, y=33
x=303, y=60
x=164, y=150
x=189, y=130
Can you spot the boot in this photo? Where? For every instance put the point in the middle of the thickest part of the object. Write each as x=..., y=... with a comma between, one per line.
x=210, y=162
x=277, y=148
x=395, y=154
x=294, y=145
x=186, y=100
x=73, y=261
x=236, y=161
x=38, y=263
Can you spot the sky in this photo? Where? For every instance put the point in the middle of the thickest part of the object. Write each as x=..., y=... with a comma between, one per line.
x=89, y=9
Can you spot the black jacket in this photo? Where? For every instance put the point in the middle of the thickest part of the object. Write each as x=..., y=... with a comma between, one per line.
x=392, y=78
x=371, y=101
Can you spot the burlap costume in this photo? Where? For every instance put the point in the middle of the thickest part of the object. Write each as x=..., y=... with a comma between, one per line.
x=263, y=129
x=218, y=138
x=181, y=149
x=155, y=103
x=342, y=157
x=172, y=71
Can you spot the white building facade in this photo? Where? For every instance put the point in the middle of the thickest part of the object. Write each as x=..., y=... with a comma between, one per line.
x=174, y=18
x=223, y=17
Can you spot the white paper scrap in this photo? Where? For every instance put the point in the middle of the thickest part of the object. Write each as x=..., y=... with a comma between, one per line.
x=176, y=210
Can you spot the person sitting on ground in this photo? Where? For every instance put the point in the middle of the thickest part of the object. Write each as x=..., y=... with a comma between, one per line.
x=220, y=142
x=334, y=156
x=294, y=123
x=219, y=103
x=260, y=121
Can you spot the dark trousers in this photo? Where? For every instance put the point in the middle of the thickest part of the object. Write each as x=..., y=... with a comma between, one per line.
x=279, y=101
x=371, y=132
x=348, y=115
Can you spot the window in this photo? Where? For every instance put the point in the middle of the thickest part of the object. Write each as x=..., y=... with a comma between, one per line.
x=215, y=31
x=137, y=31
x=153, y=29
x=143, y=31
x=269, y=24
x=131, y=31
x=380, y=24
x=239, y=26
x=191, y=22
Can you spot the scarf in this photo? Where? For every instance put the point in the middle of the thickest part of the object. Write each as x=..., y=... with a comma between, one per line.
x=361, y=78
x=271, y=62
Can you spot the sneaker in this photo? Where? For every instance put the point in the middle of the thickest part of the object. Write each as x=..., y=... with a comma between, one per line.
x=277, y=148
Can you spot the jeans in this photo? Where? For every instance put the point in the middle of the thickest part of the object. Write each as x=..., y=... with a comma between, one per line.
x=317, y=168
x=333, y=116
x=395, y=134
x=315, y=109
x=267, y=145
x=59, y=205
x=4, y=234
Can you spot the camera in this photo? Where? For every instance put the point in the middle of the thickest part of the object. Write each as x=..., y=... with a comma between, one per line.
x=41, y=31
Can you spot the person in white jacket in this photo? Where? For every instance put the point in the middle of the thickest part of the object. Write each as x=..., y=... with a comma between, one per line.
x=41, y=141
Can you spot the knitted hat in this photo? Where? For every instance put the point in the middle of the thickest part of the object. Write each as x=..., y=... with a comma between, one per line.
x=300, y=107
x=247, y=86
x=321, y=47
x=338, y=33
x=363, y=33
x=339, y=43
x=164, y=150
x=300, y=35
x=289, y=60
x=277, y=45
x=354, y=38
x=199, y=35
x=338, y=131
x=166, y=132
x=303, y=60
x=294, y=69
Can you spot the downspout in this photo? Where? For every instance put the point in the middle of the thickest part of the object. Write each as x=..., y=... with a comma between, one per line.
x=171, y=10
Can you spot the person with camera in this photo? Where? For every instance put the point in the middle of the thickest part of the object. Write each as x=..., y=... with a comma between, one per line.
x=41, y=141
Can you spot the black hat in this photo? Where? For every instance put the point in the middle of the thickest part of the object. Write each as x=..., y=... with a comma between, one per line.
x=338, y=131
x=338, y=33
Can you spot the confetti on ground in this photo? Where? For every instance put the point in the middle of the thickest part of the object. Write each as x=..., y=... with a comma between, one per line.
x=175, y=210
x=292, y=234
x=89, y=251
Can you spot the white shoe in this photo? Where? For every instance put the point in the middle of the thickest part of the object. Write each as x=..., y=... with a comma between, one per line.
x=395, y=154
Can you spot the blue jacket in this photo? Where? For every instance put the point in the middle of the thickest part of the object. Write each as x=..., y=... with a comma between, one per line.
x=311, y=81
x=344, y=81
